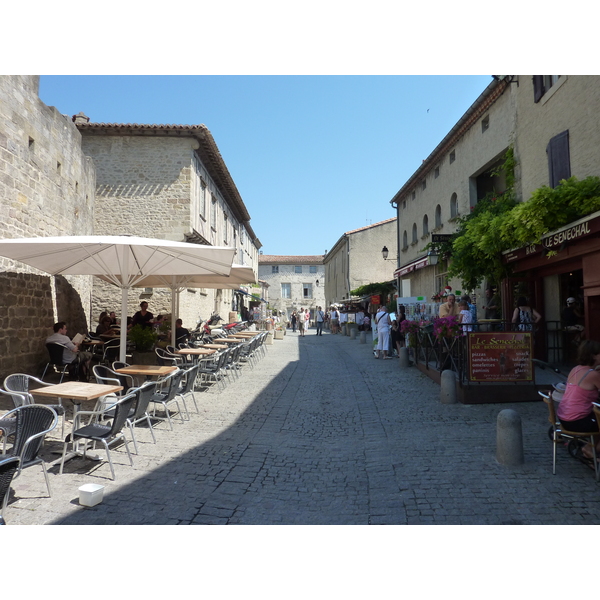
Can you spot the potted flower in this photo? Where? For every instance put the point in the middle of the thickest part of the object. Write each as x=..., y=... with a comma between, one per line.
x=144, y=340
x=446, y=327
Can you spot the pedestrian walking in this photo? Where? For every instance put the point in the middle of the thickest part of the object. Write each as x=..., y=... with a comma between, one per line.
x=384, y=324
x=335, y=320
x=320, y=318
x=294, y=320
x=301, y=322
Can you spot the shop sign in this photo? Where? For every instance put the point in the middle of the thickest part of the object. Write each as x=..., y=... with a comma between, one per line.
x=375, y=299
x=500, y=357
x=555, y=240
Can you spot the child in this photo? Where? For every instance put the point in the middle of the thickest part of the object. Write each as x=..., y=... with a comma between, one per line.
x=465, y=316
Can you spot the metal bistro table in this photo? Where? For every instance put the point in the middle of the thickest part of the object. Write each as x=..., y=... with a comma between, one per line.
x=77, y=392
x=148, y=370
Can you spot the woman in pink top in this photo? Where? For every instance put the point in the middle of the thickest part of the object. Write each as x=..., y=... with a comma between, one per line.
x=575, y=409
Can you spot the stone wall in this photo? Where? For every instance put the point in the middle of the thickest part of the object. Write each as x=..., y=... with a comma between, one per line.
x=149, y=187
x=572, y=104
x=47, y=188
x=287, y=274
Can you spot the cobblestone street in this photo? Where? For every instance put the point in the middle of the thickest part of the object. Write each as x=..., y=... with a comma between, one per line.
x=321, y=433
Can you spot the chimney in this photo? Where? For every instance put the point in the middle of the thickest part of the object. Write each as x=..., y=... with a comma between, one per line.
x=80, y=118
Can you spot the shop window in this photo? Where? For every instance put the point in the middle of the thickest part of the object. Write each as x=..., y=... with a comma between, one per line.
x=559, y=161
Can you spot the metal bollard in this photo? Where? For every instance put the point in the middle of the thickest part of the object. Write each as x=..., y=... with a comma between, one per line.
x=509, y=438
x=363, y=337
x=448, y=387
x=403, y=358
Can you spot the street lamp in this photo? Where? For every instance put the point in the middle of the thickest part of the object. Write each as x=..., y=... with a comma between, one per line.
x=385, y=252
x=433, y=257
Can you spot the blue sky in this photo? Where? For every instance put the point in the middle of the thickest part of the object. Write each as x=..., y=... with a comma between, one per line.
x=312, y=156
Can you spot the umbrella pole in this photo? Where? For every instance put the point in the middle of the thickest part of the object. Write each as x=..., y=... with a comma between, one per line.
x=174, y=306
x=124, y=294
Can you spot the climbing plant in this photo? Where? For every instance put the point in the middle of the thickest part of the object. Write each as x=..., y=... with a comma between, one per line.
x=498, y=223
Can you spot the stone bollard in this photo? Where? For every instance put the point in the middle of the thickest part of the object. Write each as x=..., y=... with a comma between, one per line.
x=343, y=330
x=448, y=387
x=403, y=358
x=352, y=333
x=363, y=337
x=509, y=438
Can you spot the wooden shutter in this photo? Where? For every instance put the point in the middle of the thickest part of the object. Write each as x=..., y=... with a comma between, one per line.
x=559, y=160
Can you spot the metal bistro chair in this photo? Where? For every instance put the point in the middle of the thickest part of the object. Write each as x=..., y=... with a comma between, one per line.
x=210, y=368
x=110, y=351
x=8, y=468
x=559, y=434
x=167, y=394
x=34, y=421
x=8, y=425
x=187, y=387
x=56, y=352
x=165, y=359
x=98, y=432
x=22, y=383
x=107, y=376
x=137, y=413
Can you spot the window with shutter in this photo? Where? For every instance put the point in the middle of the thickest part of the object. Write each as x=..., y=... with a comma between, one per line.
x=559, y=161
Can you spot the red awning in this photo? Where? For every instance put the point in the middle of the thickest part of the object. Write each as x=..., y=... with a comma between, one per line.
x=410, y=267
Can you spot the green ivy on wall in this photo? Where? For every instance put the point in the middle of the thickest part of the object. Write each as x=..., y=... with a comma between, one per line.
x=499, y=223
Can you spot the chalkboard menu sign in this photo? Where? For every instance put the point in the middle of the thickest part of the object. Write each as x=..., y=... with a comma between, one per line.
x=500, y=357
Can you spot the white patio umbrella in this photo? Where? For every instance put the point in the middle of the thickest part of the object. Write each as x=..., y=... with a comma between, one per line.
x=239, y=275
x=122, y=260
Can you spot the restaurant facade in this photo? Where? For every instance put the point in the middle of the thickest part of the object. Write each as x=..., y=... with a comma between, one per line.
x=549, y=123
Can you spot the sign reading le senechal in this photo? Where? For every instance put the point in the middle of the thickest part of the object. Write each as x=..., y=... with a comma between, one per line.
x=500, y=356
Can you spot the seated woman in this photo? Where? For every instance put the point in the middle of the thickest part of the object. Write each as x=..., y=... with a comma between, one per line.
x=583, y=384
x=104, y=326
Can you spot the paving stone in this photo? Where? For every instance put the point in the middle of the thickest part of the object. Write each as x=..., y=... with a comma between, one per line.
x=318, y=434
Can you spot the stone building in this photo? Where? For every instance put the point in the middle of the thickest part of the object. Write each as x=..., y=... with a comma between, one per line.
x=356, y=260
x=61, y=175
x=167, y=181
x=448, y=183
x=549, y=121
x=558, y=136
x=47, y=188
x=294, y=282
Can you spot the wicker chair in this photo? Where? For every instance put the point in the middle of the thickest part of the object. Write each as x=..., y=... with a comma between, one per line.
x=8, y=468
x=34, y=421
x=22, y=383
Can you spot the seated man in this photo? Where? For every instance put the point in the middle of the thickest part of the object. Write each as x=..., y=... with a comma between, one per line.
x=181, y=333
x=71, y=353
